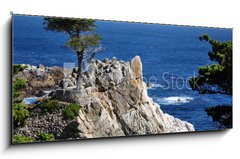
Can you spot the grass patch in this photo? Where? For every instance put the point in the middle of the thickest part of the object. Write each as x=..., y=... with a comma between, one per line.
x=49, y=105
x=22, y=139
x=45, y=137
x=71, y=111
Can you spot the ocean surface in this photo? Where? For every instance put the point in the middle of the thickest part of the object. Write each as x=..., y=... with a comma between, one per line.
x=170, y=55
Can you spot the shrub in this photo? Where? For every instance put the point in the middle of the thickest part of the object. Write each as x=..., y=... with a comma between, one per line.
x=71, y=111
x=45, y=137
x=49, y=105
x=20, y=114
x=18, y=68
x=16, y=93
x=19, y=83
x=22, y=139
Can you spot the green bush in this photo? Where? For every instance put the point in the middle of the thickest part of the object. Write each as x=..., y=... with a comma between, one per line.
x=45, y=137
x=20, y=114
x=18, y=68
x=22, y=139
x=19, y=83
x=16, y=93
x=49, y=105
x=71, y=111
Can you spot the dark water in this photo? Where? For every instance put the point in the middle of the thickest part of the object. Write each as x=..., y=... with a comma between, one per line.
x=168, y=53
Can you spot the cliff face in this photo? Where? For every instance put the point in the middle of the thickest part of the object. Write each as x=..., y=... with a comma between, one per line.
x=115, y=102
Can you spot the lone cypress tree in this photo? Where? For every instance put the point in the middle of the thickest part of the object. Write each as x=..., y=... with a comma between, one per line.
x=82, y=39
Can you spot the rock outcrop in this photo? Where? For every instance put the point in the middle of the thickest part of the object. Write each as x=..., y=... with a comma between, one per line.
x=40, y=79
x=115, y=102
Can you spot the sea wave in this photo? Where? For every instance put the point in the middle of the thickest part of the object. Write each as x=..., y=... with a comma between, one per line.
x=155, y=85
x=174, y=100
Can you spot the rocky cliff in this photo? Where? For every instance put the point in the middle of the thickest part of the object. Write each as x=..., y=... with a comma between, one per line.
x=114, y=102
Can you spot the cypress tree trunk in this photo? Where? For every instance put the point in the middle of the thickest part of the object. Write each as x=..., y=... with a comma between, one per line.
x=79, y=76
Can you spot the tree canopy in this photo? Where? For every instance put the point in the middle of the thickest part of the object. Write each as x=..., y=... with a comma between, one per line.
x=215, y=78
x=72, y=26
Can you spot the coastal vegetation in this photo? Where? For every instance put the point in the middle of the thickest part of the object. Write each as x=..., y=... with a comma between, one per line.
x=22, y=139
x=26, y=139
x=45, y=137
x=18, y=85
x=71, y=111
x=49, y=105
x=18, y=68
x=20, y=114
x=216, y=78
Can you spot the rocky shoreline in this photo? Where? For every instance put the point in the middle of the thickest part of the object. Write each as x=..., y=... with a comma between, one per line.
x=113, y=99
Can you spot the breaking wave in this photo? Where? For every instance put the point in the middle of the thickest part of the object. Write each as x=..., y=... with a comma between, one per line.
x=174, y=100
x=155, y=85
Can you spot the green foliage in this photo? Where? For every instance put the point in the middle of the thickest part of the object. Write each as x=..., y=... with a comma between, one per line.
x=45, y=137
x=18, y=68
x=22, y=139
x=16, y=93
x=83, y=42
x=204, y=37
x=217, y=75
x=20, y=114
x=49, y=105
x=71, y=26
x=221, y=114
x=19, y=84
x=71, y=111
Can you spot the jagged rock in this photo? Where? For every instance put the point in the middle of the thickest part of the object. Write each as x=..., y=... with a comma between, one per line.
x=114, y=59
x=39, y=79
x=42, y=67
x=64, y=83
x=117, y=104
x=106, y=61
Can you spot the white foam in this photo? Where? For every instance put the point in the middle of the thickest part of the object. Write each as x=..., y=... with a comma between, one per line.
x=174, y=100
x=155, y=85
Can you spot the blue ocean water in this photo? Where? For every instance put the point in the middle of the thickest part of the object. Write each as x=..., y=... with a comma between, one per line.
x=170, y=55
